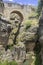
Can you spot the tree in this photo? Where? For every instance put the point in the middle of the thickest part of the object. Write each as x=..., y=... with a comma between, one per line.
x=40, y=5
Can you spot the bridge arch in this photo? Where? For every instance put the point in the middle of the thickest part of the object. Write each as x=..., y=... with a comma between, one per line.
x=18, y=13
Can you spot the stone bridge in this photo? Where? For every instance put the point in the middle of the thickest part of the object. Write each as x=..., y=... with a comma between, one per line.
x=23, y=10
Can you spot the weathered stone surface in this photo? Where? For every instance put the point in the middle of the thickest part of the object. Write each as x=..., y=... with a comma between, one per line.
x=30, y=46
x=17, y=32
x=17, y=53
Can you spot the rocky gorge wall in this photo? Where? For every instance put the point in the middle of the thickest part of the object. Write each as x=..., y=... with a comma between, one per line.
x=19, y=33
x=22, y=39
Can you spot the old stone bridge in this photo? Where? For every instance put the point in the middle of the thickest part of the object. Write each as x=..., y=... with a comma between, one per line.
x=22, y=10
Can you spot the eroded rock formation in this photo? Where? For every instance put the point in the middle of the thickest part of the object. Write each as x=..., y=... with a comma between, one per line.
x=18, y=37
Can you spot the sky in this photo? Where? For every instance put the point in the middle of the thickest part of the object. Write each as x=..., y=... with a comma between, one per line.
x=30, y=2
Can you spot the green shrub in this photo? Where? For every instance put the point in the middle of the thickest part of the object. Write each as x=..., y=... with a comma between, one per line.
x=4, y=63
x=37, y=50
x=13, y=63
x=38, y=60
x=28, y=24
x=8, y=63
x=0, y=15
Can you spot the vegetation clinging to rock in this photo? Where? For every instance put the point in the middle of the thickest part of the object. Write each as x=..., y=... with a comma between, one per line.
x=28, y=24
x=8, y=63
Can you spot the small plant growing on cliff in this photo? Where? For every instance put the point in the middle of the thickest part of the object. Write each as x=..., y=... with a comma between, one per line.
x=38, y=60
x=0, y=15
x=13, y=63
x=28, y=24
x=8, y=63
x=37, y=50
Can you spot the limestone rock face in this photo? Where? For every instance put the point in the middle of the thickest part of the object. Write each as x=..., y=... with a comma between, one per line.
x=7, y=56
x=27, y=36
x=4, y=31
x=20, y=52
x=17, y=53
x=17, y=35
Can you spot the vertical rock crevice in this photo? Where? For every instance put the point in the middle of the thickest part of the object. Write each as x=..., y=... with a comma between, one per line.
x=17, y=33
